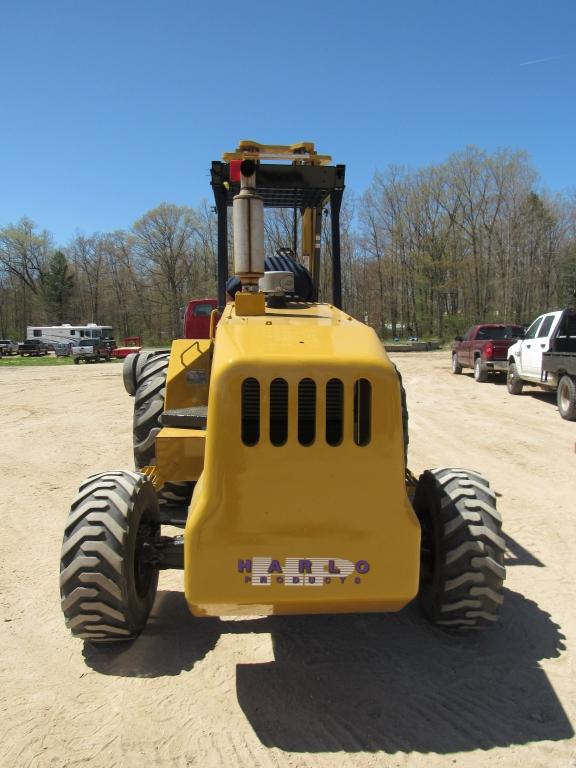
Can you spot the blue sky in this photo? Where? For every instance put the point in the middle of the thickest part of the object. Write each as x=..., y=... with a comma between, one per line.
x=109, y=107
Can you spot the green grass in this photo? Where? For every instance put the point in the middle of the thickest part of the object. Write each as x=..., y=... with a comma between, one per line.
x=17, y=362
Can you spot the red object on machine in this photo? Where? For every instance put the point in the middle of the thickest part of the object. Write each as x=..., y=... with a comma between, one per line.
x=129, y=345
x=196, y=326
x=235, y=170
x=197, y=318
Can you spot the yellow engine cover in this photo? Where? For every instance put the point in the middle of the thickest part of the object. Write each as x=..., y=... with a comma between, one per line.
x=324, y=526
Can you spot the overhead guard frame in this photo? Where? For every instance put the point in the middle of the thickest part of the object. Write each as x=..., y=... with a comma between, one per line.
x=284, y=186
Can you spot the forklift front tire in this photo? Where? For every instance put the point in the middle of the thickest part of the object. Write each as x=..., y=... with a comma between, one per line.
x=462, y=551
x=108, y=579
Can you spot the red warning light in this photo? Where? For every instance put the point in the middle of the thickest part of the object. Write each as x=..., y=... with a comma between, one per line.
x=235, y=170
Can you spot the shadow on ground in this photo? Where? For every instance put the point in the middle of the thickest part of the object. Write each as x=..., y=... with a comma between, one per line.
x=393, y=683
x=516, y=554
x=172, y=642
x=543, y=396
x=371, y=682
x=493, y=378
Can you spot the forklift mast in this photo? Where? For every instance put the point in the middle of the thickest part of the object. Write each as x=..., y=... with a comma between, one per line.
x=304, y=181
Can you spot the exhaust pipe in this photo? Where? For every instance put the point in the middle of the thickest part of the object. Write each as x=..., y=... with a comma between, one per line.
x=248, y=222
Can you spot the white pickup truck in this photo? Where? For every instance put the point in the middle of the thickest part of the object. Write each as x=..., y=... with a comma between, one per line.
x=546, y=357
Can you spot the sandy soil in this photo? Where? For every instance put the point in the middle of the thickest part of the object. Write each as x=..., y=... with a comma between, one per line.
x=316, y=691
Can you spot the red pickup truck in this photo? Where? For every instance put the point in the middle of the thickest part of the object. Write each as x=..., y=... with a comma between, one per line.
x=484, y=348
x=197, y=318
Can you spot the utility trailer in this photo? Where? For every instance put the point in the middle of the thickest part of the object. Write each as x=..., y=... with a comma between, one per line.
x=279, y=444
x=131, y=345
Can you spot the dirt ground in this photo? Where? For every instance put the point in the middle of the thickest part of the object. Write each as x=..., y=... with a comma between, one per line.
x=371, y=690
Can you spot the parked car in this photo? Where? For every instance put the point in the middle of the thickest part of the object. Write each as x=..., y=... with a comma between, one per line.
x=91, y=350
x=546, y=357
x=32, y=347
x=485, y=349
x=63, y=349
x=8, y=347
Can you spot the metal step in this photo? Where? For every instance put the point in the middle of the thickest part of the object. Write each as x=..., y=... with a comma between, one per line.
x=173, y=515
x=186, y=418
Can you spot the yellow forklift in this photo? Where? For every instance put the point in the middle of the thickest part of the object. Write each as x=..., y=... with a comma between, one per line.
x=279, y=446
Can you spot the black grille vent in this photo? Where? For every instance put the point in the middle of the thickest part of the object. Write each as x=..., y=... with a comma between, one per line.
x=306, y=412
x=362, y=411
x=250, y=411
x=334, y=411
x=278, y=411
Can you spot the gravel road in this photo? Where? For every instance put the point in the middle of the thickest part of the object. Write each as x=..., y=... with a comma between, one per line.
x=372, y=690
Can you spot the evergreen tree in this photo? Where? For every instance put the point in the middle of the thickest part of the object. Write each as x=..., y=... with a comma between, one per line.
x=57, y=284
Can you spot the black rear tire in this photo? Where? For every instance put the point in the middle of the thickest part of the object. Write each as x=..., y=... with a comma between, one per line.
x=514, y=384
x=456, y=367
x=106, y=584
x=462, y=553
x=133, y=366
x=480, y=371
x=148, y=407
x=129, y=373
x=404, y=406
x=566, y=398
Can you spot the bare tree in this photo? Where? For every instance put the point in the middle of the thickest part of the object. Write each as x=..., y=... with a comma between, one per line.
x=87, y=255
x=164, y=241
x=24, y=253
x=427, y=251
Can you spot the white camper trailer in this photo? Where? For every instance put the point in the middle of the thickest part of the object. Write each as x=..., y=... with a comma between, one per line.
x=66, y=333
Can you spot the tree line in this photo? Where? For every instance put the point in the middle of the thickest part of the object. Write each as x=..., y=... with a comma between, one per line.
x=425, y=252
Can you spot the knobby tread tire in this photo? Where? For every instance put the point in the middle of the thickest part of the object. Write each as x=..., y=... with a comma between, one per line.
x=132, y=368
x=129, y=373
x=404, y=406
x=148, y=407
x=102, y=598
x=462, y=571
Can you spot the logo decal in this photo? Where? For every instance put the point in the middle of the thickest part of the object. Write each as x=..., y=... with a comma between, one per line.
x=302, y=571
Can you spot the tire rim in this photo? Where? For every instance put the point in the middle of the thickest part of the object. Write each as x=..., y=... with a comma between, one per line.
x=564, y=398
x=144, y=569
